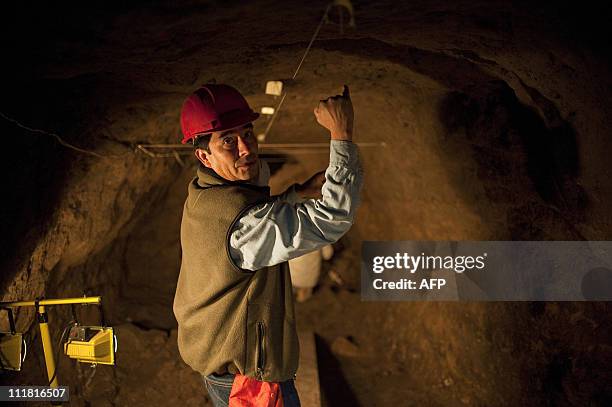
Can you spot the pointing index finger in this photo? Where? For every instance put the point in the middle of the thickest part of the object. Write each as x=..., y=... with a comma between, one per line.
x=346, y=93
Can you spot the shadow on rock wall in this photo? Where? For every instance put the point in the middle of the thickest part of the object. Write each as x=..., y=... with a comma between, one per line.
x=518, y=154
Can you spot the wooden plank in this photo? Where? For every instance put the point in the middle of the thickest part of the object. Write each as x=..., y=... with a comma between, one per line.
x=307, y=380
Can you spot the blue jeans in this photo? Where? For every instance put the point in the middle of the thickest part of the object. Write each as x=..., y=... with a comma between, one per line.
x=220, y=387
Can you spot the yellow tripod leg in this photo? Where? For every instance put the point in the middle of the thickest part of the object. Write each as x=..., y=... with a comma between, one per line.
x=47, y=344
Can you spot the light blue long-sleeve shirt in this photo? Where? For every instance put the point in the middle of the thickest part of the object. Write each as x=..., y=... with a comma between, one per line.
x=287, y=227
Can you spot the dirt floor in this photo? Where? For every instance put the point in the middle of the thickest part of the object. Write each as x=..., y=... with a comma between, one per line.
x=495, y=118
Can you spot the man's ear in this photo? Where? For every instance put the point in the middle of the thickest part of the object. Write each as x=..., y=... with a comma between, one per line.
x=202, y=156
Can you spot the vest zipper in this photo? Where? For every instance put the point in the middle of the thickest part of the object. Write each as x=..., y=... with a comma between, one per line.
x=261, y=356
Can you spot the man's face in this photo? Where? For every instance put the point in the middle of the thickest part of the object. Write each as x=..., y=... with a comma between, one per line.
x=233, y=154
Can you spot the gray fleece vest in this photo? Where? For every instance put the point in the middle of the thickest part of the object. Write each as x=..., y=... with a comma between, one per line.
x=229, y=319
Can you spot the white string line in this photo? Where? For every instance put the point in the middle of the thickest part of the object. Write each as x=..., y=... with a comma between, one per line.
x=269, y=126
x=55, y=135
x=146, y=147
x=316, y=33
x=142, y=147
x=280, y=103
x=266, y=145
x=318, y=145
x=293, y=148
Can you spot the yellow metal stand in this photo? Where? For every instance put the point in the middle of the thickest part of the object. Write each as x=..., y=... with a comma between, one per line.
x=47, y=343
x=43, y=324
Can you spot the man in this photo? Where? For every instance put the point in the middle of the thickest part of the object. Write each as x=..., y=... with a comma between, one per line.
x=233, y=301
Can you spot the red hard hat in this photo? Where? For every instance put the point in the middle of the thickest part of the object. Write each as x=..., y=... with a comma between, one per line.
x=214, y=108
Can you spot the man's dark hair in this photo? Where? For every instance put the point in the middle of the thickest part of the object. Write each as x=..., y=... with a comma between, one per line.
x=201, y=141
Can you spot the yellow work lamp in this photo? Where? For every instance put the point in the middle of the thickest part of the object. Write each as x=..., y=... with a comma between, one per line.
x=88, y=344
x=12, y=350
x=91, y=344
x=12, y=347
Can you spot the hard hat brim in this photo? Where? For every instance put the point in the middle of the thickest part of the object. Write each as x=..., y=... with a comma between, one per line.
x=227, y=125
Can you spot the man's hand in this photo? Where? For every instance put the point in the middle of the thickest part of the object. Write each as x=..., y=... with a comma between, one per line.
x=336, y=114
x=311, y=189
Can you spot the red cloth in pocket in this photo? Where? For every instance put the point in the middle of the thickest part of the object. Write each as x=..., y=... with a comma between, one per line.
x=248, y=392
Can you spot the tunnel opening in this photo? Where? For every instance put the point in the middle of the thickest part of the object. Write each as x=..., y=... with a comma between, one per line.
x=508, y=139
